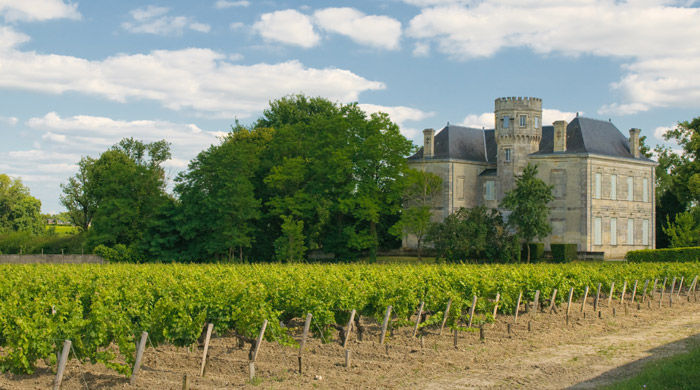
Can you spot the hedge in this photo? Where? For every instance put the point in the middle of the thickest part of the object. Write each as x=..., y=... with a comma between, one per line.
x=536, y=252
x=664, y=255
x=564, y=253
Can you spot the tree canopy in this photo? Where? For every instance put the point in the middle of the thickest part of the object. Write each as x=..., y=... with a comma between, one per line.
x=527, y=203
x=19, y=210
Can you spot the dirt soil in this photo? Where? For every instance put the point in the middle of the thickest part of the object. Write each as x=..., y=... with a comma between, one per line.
x=588, y=352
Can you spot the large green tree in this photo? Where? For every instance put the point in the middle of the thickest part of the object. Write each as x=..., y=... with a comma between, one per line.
x=419, y=190
x=19, y=210
x=678, y=179
x=527, y=203
x=218, y=205
x=334, y=168
x=127, y=184
x=77, y=198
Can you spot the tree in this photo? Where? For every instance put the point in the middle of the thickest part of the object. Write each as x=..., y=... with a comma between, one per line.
x=289, y=247
x=128, y=190
x=420, y=188
x=528, y=205
x=677, y=177
x=19, y=210
x=476, y=234
x=684, y=231
x=76, y=196
x=218, y=203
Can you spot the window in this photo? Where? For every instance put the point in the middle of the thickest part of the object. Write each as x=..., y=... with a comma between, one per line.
x=507, y=153
x=490, y=193
x=645, y=232
x=506, y=121
x=460, y=188
x=630, y=188
x=630, y=231
x=645, y=190
x=537, y=122
x=613, y=231
x=523, y=120
x=613, y=187
x=558, y=180
x=597, y=185
x=597, y=231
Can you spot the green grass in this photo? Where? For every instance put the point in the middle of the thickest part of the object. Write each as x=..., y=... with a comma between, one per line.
x=62, y=229
x=676, y=372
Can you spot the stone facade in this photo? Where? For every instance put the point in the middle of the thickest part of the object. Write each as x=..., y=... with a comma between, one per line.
x=603, y=188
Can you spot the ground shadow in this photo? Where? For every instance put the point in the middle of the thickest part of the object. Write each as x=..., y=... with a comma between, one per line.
x=630, y=369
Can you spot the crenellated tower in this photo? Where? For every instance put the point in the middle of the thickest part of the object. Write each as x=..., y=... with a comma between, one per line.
x=518, y=134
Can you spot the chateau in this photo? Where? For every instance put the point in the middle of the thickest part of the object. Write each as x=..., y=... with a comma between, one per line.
x=603, y=187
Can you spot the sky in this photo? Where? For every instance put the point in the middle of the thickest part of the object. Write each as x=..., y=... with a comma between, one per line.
x=76, y=77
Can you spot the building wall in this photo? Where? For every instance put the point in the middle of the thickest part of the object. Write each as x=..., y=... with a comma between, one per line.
x=576, y=206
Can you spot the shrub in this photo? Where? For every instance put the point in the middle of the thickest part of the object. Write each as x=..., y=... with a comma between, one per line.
x=664, y=255
x=28, y=243
x=119, y=253
x=564, y=253
x=536, y=251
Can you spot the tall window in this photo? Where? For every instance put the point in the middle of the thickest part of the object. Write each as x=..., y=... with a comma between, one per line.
x=506, y=122
x=613, y=187
x=597, y=231
x=645, y=232
x=645, y=190
x=537, y=122
x=523, y=120
x=613, y=231
x=597, y=185
x=507, y=152
x=460, y=188
x=490, y=193
x=630, y=231
x=630, y=188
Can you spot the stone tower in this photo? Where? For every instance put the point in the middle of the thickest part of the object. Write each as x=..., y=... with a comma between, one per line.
x=518, y=133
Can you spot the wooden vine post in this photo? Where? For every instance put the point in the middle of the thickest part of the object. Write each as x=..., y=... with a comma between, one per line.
x=680, y=288
x=517, y=307
x=471, y=312
x=305, y=334
x=495, y=307
x=62, y=365
x=420, y=313
x=653, y=290
x=634, y=291
x=670, y=296
x=610, y=296
x=585, y=296
x=568, y=304
x=597, y=298
x=622, y=294
x=139, y=357
x=258, y=342
x=552, y=301
x=348, y=330
x=210, y=327
x=536, y=304
x=445, y=316
x=644, y=294
x=663, y=289
x=385, y=323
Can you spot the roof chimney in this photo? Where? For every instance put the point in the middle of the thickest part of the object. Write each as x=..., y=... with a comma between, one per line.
x=428, y=143
x=634, y=142
x=560, y=136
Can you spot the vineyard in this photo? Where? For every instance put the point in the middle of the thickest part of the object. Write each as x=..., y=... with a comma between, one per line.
x=103, y=310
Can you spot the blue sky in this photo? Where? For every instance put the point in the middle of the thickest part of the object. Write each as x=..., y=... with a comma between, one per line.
x=75, y=77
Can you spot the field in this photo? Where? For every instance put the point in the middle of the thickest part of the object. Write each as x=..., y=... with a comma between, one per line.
x=104, y=309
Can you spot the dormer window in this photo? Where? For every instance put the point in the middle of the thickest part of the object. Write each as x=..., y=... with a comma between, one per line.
x=523, y=120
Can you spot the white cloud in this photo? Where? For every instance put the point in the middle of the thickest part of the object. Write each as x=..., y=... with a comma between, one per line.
x=288, y=26
x=222, y=4
x=486, y=119
x=236, y=26
x=660, y=131
x=154, y=20
x=421, y=49
x=37, y=10
x=206, y=81
x=9, y=120
x=400, y=115
x=653, y=38
x=9, y=38
x=373, y=30
x=53, y=137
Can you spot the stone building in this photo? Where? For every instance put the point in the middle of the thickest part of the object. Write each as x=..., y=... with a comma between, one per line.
x=603, y=187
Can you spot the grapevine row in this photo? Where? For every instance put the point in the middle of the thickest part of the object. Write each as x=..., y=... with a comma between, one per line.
x=100, y=306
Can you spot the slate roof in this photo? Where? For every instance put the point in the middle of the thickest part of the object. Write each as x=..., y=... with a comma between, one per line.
x=583, y=135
